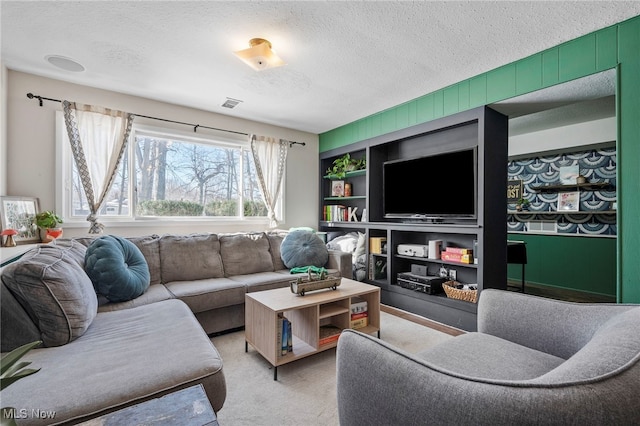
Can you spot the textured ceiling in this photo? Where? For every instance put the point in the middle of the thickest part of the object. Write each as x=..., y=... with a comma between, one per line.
x=345, y=60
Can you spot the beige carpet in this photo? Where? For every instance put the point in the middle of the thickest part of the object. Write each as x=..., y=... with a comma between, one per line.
x=304, y=393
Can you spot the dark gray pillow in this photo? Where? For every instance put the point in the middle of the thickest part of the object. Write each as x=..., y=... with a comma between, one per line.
x=303, y=248
x=190, y=257
x=50, y=283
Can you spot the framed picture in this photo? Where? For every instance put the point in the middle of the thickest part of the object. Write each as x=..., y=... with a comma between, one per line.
x=569, y=174
x=569, y=201
x=337, y=188
x=19, y=213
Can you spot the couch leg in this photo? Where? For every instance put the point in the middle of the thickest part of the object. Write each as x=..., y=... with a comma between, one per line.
x=246, y=346
x=275, y=373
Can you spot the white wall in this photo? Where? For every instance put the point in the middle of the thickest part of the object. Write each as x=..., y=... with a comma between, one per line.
x=564, y=138
x=3, y=128
x=30, y=150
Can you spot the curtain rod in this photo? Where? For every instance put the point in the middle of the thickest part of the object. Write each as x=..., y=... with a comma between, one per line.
x=195, y=126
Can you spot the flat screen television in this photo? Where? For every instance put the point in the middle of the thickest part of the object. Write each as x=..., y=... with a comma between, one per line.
x=439, y=186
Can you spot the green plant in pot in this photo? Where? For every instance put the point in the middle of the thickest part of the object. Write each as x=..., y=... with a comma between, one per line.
x=522, y=204
x=345, y=164
x=48, y=221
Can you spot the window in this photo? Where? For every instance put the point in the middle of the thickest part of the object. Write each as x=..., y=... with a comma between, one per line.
x=170, y=174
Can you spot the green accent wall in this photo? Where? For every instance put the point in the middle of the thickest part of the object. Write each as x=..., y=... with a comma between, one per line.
x=617, y=46
x=576, y=263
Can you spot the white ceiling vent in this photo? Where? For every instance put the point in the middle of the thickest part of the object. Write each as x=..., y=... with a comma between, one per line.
x=231, y=103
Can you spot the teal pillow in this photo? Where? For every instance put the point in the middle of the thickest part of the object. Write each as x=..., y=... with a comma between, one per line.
x=303, y=248
x=117, y=268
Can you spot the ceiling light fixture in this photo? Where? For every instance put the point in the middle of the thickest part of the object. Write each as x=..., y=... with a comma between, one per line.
x=66, y=64
x=260, y=56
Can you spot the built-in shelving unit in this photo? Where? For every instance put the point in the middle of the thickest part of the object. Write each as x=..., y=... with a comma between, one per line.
x=481, y=128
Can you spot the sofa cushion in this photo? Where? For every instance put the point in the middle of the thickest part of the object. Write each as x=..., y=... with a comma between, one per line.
x=190, y=257
x=275, y=241
x=264, y=280
x=480, y=355
x=212, y=293
x=124, y=358
x=303, y=248
x=155, y=293
x=117, y=268
x=50, y=283
x=149, y=245
x=245, y=253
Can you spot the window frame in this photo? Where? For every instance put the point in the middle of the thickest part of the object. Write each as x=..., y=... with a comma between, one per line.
x=64, y=187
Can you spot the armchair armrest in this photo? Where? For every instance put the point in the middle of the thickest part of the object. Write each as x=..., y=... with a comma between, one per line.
x=552, y=326
x=342, y=261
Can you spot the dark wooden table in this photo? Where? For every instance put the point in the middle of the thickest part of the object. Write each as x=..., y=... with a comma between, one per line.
x=186, y=407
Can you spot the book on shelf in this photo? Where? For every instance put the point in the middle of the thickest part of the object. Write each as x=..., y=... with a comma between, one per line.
x=336, y=213
x=289, y=337
x=285, y=330
x=458, y=250
x=279, y=326
x=376, y=243
x=359, y=323
x=359, y=315
x=358, y=305
x=455, y=257
x=329, y=333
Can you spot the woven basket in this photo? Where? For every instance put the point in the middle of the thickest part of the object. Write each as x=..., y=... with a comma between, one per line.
x=454, y=293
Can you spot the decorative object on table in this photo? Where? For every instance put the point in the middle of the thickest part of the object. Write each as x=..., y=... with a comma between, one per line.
x=11, y=371
x=19, y=213
x=48, y=222
x=569, y=174
x=7, y=235
x=345, y=164
x=569, y=201
x=337, y=188
x=522, y=204
x=581, y=179
x=316, y=279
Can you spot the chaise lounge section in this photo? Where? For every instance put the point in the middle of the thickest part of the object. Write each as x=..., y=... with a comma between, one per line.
x=100, y=356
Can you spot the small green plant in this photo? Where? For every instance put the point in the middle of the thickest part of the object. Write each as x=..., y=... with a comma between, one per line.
x=11, y=370
x=345, y=164
x=522, y=204
x=48, y=219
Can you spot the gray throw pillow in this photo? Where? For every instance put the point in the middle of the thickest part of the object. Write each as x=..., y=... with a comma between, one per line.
x=190, y=257
x=303, y=248
x=50, y=283
x=245, y=253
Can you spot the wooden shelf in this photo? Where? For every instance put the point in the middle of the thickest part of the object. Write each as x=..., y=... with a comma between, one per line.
x=529, y=213
x=353, y=197
x=595, y=186
x=354, y=173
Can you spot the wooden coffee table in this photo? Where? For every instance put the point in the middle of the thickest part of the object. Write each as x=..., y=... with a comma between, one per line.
x=307, y=314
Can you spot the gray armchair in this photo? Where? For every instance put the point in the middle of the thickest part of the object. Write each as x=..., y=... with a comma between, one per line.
x=532, y=361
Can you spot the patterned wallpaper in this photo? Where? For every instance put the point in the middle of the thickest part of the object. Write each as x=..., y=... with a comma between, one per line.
x=594, y=216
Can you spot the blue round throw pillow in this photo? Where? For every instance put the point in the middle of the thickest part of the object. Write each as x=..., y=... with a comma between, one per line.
x=303, y=248
x=117, y=268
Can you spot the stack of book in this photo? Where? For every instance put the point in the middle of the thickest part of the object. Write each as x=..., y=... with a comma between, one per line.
x=339, y=213
x=329, y=333
x=284, y=339
x=359, y=313
x=457, y=255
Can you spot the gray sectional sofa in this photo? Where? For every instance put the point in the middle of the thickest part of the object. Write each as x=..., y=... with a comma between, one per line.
x=101, y=356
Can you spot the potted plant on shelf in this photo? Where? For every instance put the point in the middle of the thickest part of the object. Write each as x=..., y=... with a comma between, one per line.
x=48, y=222
x=345, y=164
x=522, y=204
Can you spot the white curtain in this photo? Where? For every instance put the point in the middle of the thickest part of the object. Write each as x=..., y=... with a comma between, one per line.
x=270, y=158
x=98, y=138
